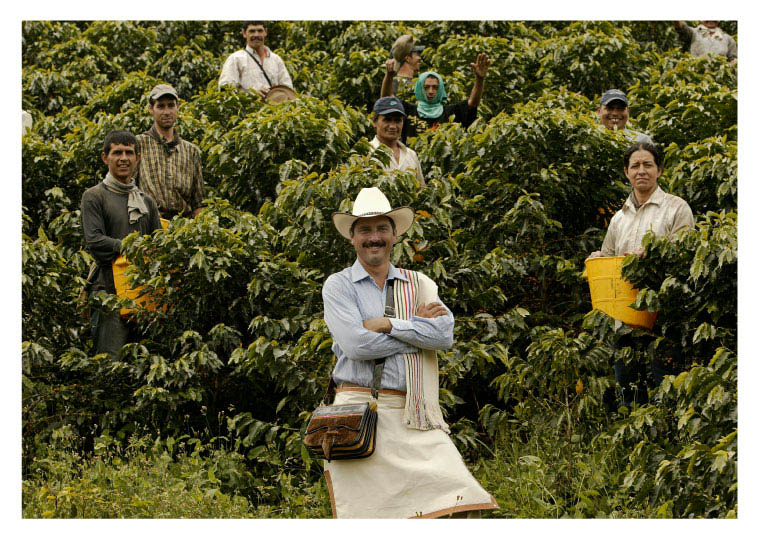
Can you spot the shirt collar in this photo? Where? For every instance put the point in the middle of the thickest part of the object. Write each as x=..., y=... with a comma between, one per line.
x=358, y=272
x=656, y=198
x=266, y=51
x=159, y=138
x=377, y=143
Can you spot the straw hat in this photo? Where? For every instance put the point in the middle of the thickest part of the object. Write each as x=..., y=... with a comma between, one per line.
x=371, y=202
x=401, y=49
x=279, y=94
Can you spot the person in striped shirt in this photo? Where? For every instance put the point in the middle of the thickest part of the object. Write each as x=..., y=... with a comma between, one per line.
x=170, y=167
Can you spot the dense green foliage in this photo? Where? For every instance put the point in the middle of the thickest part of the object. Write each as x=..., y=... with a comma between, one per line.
x=202, y=416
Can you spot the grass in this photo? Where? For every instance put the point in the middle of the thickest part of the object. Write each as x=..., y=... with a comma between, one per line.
x=531, y=476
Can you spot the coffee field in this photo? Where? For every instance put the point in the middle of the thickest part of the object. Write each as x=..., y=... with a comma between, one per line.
x=202, y=417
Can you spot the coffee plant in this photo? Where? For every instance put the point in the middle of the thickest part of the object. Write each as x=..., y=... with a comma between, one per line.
x=211, y=397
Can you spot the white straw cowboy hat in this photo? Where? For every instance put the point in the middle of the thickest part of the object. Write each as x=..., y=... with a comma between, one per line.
x=371, y=202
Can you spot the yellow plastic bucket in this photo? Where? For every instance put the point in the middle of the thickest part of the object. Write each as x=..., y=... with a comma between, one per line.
x=612, y=294
x=123, y=287
x=125, y=290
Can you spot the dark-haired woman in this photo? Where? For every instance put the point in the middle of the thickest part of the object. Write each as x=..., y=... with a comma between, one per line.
x=647, y=209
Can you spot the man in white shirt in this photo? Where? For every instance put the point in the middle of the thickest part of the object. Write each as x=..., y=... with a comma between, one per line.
x=256, y=66
x=707, y=38
x=388, y=118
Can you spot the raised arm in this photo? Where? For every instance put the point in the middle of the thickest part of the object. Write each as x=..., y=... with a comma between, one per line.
x=480, y=67
x=345, y=324
x=388, y=78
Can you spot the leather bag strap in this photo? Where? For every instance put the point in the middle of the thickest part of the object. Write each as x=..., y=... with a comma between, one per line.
x=260, y=66
x=389, y=312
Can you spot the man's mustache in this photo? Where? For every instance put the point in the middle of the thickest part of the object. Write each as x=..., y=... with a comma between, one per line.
x=369, y=244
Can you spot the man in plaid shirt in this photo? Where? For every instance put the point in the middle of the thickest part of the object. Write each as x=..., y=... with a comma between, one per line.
x=170, y=167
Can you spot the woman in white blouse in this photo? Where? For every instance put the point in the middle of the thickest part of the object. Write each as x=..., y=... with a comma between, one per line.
x=648, y=208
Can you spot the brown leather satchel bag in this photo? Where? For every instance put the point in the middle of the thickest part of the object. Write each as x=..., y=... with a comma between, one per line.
x=342, y=432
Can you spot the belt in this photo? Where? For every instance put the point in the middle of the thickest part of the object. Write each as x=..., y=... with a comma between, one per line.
x=351, y=387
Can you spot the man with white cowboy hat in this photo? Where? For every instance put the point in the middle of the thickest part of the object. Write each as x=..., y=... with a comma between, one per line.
x=415, y=470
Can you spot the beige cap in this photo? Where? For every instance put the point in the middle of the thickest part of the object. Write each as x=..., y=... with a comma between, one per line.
x=162, y=90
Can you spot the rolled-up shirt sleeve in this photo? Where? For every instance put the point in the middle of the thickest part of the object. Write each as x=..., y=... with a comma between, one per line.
x=426, y=333
x=345, y=324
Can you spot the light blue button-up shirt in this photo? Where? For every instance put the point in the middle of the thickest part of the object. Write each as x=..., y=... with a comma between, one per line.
x=351, y=297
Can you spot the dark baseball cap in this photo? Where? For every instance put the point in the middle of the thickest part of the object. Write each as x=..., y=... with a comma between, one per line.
x=613, y=94
x=162, y=90
x=388, y=104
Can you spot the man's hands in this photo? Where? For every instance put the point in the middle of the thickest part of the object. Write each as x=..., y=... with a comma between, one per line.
x=639, y=253
x=382, y=325
x=481, y=65
x=388, y=78
x=430, y=311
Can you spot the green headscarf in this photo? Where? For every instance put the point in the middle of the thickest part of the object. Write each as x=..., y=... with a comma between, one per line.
x=432, y=109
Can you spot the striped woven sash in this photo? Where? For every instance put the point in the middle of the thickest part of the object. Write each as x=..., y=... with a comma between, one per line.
x=421, y=410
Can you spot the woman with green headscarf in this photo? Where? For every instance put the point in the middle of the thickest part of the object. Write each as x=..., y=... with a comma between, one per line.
x=431, y=108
